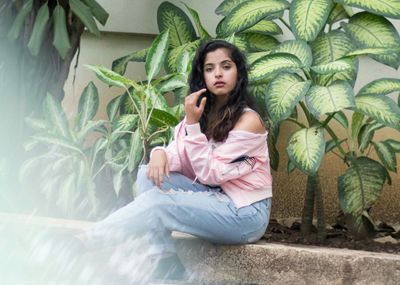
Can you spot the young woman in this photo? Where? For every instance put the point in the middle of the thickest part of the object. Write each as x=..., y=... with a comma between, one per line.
x=213, y=181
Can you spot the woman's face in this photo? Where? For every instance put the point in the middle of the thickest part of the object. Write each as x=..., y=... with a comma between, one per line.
x=220, y=72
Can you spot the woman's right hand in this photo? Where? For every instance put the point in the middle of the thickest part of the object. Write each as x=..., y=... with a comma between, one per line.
x=158, y=167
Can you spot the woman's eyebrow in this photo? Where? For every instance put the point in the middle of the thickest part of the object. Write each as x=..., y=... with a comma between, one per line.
x=222, y=62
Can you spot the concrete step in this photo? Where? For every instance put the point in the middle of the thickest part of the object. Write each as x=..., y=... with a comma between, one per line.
x=26, y=258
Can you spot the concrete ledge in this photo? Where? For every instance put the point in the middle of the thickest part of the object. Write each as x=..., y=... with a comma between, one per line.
x=259, y=263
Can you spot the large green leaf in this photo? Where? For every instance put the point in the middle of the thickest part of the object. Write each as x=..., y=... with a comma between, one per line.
x=380, y=108
x=306, y=149
x=253, y=56
x=273, y=134
x=39, y=28
x=360, y=186
x=162, y=118
x=283, y=93
x=88, y=105
x=89, y=127
x=307, y=17
x=57, y=141
x=110, y=77
x=172, y=18
x=387, y=155
x=200, y=29
x=328, y=48
x=381, y=86
x=388, y=8
x=395, y=145
x=322, y=100
x=249, y=13
x=341, y=118
x=270, y=65
x=265, y=27
x=356, y=123
x=125, y=123
x=340, y=65
x=298, y=48
x=258, y=93
x=171, y=62
x=19, y=20
x=257, y=42
x=338, y=13
x=113, y=107
x=85, y=15
x=373, y=51
x=119, y=65
x=227, y=6
x=55, y=116
x=176, y=82
x=366, y=135
x=156, y=56
x=61, y=38
x=97, y=10
x=368, y=31
x=136, y=151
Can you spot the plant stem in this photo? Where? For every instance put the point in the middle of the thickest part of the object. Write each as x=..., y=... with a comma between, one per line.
x=306, y=113
x=319, y=204
x=308, y=209
x=328, y=119
x=296, y=122
x=285, y=23
x=333, y=135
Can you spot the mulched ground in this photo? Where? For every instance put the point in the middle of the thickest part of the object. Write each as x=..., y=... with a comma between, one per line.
x=337, y=237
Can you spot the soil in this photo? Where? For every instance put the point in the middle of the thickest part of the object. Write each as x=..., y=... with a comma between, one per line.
x=337, y=237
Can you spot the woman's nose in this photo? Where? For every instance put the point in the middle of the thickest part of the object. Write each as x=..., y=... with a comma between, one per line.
x=218, y=72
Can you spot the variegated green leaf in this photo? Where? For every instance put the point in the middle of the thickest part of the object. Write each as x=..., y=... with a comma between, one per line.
x=57, y=141
x=381, y=86
x=283, y=93
x=97, y=10
x=184, y=62
x=273, y=64
x=156, y=56
x=172, y=18
x=125, y=123
x=307, y=17
x=176, y=82
x=306, y=149
x=258, y=42
x=110, y=77
x=322, y=100
x=370, y=31
x=253, y=56
x=360, y=186
x=88, y=105
x=338, y=13
x=395, y=145
x=341, y=118
x=366, y=135
x=119, y=65
x=19, y=21
x=161, y=118
x=227, y=6
x=334, y=66
x=118, y=171
x=89, y=126
x=200, y=29
x=55, y=116
x=61, y=37
x=258, y=93
x=388, y=8
x=39, y=28
x=85, y=15
x=240, y=41
x=36, y=124
x=386, y=155
x=329, y=48
x=356, y=123
x=373, y=51
x=136, y=151
x=265, y=27
x=249, y=13
x=298, y=48
x=273, y=134
x=113, y=107
x=170, y=65
x=381, y=108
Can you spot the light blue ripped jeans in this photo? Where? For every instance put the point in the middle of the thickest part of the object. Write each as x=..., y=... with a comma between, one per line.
x=197, y=209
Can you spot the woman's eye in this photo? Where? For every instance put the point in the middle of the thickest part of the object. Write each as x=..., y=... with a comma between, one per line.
x=208, y=69
x=227, y=67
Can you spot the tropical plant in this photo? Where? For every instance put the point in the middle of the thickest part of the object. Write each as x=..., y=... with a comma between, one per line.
x=38, y=41
x=314, y=73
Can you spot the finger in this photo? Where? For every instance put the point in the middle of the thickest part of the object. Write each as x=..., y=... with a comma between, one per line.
x=203, y=104
x=196, y=94
x=156, y=177
x=167, y=169
x=161, y=175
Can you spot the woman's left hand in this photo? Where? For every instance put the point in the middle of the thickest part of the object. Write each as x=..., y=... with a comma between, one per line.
x=194, y=112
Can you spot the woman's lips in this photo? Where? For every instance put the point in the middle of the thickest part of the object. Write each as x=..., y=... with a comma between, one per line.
x=219, y=84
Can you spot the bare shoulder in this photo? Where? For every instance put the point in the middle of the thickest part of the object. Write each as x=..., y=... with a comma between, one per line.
x=251, y=122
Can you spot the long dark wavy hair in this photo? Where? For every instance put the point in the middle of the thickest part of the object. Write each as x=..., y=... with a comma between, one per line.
x=228, y=114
